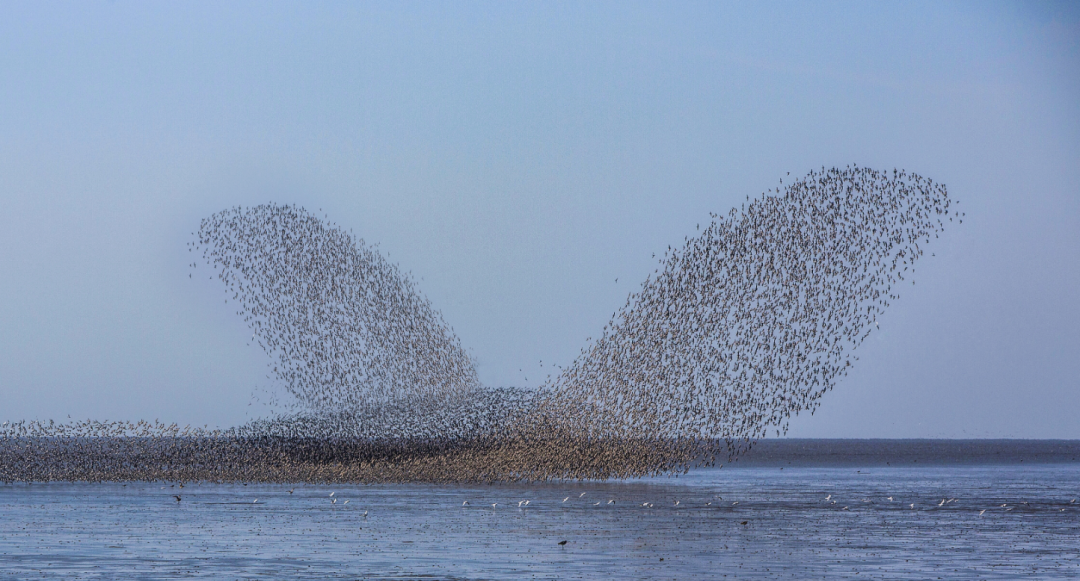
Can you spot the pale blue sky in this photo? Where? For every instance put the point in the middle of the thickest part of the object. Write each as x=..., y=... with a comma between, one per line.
x=517, y=158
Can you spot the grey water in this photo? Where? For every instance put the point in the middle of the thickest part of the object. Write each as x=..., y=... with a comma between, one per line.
x=800, y=509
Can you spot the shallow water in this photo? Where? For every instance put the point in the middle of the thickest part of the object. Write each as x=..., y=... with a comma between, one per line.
x=785, y=524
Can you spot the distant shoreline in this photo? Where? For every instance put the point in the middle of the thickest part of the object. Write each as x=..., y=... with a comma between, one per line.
x=780, y=452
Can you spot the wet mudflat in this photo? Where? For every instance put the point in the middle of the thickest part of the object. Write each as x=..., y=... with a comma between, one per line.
x=977, y=522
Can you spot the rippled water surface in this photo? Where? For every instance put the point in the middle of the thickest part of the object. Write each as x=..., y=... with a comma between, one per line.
x=763, y=522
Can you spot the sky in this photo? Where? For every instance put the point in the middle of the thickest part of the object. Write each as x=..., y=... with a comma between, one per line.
x=516, y=159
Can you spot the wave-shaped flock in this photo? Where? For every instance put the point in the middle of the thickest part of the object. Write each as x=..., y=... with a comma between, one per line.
x=747, y=323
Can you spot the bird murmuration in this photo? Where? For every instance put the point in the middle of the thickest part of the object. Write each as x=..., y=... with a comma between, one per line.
x=741, y=327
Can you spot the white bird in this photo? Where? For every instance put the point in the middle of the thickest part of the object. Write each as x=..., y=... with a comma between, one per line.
x=890, y=499
x=566, y=499
x=346, y=502
x=494, y=504
x=829, y=497
x=982, y=511
x=255, y=501
x=365, y=514
x=597, y=503
x=612, y=501
x=520, y=502
x=942, y=503
x=912, y=505
x=331, y=494
x=334, y=501
x=580, y=495
x=466, y=503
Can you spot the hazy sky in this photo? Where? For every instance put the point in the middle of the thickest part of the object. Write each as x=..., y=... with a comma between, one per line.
x=517, y=158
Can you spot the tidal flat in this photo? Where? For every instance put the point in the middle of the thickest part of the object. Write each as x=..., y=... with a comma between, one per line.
x=954, y=521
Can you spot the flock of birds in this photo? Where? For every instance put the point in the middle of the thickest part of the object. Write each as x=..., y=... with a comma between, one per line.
x=717, y=500
x=750, y=321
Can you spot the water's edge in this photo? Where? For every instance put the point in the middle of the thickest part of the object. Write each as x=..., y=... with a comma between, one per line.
x=902, y=452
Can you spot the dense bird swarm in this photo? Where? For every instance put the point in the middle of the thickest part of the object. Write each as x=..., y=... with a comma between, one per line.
x=747, y=323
